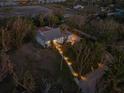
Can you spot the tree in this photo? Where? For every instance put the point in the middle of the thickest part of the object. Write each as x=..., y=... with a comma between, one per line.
x=114, y=75
x=53, y=20
x=87, y=56
x=15, y=33
x=41, y=19
x=5, y=39
x=8, y=84
x=20, y=29
x=77, y=21
x=6, y=67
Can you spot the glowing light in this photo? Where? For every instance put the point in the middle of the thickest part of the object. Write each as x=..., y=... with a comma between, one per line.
x=48, y=42
x=83, y=78
x=59, y=49
x=75, y=74
x=58, y=45
x=66, y=58
x=60, y=52
x=73, y=39
x=55, y=41
x=69, y=63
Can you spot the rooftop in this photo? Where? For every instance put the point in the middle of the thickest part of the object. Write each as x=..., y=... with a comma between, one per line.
x=53, y=34
x=44, y=29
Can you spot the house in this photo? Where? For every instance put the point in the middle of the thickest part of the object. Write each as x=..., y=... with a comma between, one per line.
x=68, y=15
x=78, y=7
x=51, y=1
x=26, y=2
x=7, y=3
x=45, y=35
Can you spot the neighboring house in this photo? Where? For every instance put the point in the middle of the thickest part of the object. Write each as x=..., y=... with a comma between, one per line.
x=46, y=35
x=51, y=1
x=7, y=3
x=67, y=15
x=27, y=2
x=78, y=7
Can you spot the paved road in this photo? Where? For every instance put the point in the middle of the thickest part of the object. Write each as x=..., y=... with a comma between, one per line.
x=25, y=11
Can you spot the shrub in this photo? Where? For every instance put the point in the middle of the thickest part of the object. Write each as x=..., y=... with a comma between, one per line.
x=86, y=56
x=16, y=32
x=107, y=31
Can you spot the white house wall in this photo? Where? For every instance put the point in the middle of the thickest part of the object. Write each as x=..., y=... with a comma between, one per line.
x=62, y=39
x=68, y=40
x=47, y=44
x=40, y=41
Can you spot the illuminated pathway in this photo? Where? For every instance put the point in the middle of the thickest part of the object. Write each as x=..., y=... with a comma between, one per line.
x=69, y=63
x=86, y=84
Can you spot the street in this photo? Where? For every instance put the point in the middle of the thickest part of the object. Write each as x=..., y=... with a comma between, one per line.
x=23, y=11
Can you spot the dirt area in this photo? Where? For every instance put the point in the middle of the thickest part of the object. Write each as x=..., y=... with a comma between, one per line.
x=40, y=62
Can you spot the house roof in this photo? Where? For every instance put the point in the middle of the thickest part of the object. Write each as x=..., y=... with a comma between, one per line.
x=53, y=34
x=44, y=29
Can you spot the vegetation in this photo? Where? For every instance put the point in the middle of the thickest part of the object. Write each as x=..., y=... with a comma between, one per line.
x=114, y=75
x=86, y=56
x=76, y=21
x=26, y=68
x=51, y=20
x=106, y=31
x=6, y=71
x=69, y=3
x=15, y=33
